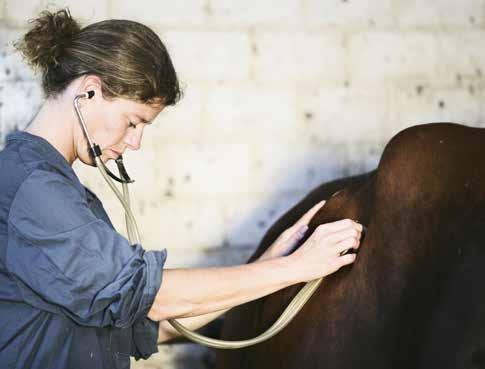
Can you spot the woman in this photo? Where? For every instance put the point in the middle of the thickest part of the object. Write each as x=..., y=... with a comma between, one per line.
x=73, y=292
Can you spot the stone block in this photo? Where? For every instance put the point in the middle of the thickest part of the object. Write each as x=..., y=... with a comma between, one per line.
x=377, y=56
x=19, y=12
x=440, y=13
x=161, y=12
x=299, y=57
x=229, y=13
x=349, y=14
x=251, y=113
x=209, y=56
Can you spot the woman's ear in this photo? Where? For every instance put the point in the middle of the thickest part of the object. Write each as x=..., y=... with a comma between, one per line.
x=92, y=83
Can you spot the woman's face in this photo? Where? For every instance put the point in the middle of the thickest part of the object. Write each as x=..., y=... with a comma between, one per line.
x=115, y=125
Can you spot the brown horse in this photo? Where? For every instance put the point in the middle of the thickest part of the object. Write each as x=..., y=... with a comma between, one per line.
x=413, y=298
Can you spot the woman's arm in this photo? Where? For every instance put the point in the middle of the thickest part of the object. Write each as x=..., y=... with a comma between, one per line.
x=190, y=292
x=282, y=246
x=167, y=332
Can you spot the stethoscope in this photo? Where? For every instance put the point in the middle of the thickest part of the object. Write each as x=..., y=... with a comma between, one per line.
x=94, y=148
x=134, y=237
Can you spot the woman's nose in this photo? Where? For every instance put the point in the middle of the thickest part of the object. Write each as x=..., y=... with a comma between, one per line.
x=133, y=138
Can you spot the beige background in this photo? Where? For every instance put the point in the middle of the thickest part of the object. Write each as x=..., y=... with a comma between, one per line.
x=280, y=96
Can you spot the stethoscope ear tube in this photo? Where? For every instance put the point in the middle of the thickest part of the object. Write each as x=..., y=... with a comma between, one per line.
x=94, y=149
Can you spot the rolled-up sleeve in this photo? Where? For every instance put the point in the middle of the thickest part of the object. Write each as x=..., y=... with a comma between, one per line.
x=66, y=260
x=144, y=339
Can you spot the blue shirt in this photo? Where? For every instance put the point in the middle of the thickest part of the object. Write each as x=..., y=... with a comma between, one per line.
x=73, y=292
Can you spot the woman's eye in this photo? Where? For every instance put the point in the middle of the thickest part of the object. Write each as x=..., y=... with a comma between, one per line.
x=131, y=125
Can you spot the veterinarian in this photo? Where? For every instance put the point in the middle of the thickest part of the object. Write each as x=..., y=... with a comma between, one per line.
x=75, y=293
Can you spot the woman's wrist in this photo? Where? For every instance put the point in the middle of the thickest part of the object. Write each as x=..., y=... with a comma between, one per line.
x=286, y=264
x=288, y=269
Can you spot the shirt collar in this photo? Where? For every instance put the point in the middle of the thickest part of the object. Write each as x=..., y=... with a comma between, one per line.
x=50, y=153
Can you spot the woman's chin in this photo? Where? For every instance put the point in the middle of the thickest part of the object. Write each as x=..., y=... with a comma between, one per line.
x=105, y=157
x=90, y=161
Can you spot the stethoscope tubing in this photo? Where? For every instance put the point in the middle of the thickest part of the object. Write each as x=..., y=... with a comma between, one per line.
x=134, y=236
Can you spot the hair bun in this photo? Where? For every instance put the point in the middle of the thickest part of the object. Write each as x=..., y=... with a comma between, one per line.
x=43, y=45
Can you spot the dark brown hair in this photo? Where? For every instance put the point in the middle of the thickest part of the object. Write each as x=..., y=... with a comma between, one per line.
x=128, y=57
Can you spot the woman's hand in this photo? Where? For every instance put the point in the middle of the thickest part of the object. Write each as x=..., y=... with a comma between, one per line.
x=288, y=240
x=324, y=252
x=224, y=287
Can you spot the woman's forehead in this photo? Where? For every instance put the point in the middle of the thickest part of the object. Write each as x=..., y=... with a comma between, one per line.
x=146, y=111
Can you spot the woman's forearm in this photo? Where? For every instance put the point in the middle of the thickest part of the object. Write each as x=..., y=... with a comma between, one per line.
x=167, y=332
x=190, y=292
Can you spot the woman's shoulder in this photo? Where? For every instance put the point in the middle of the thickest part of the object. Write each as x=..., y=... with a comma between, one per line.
x=17, y=170
x=13, y=170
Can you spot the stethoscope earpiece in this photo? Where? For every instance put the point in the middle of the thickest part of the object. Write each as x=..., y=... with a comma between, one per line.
x=94, y=148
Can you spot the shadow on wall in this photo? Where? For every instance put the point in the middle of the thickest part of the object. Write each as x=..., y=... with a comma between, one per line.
x=293, y=181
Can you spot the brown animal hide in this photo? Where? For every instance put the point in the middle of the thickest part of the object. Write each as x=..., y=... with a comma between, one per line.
x=413, y=298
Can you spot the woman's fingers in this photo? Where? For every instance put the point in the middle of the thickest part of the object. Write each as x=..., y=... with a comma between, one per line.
x=285, y=243
x=292, y=242
x=352, y=232
x=325, y=251
x=339, y=225
x=305, y=219
x=348, y=243
x=295, y=236
x=346, y=259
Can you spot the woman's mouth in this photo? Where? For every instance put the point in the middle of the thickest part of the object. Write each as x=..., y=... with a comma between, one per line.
x=116, y=154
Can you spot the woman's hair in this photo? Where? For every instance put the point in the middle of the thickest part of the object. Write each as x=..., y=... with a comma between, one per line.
x=128, y=57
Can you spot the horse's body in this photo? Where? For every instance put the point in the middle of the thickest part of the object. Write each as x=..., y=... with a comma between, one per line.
x=414, y=297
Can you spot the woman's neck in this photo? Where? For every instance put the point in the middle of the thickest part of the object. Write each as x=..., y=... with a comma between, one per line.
x=54, y=122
